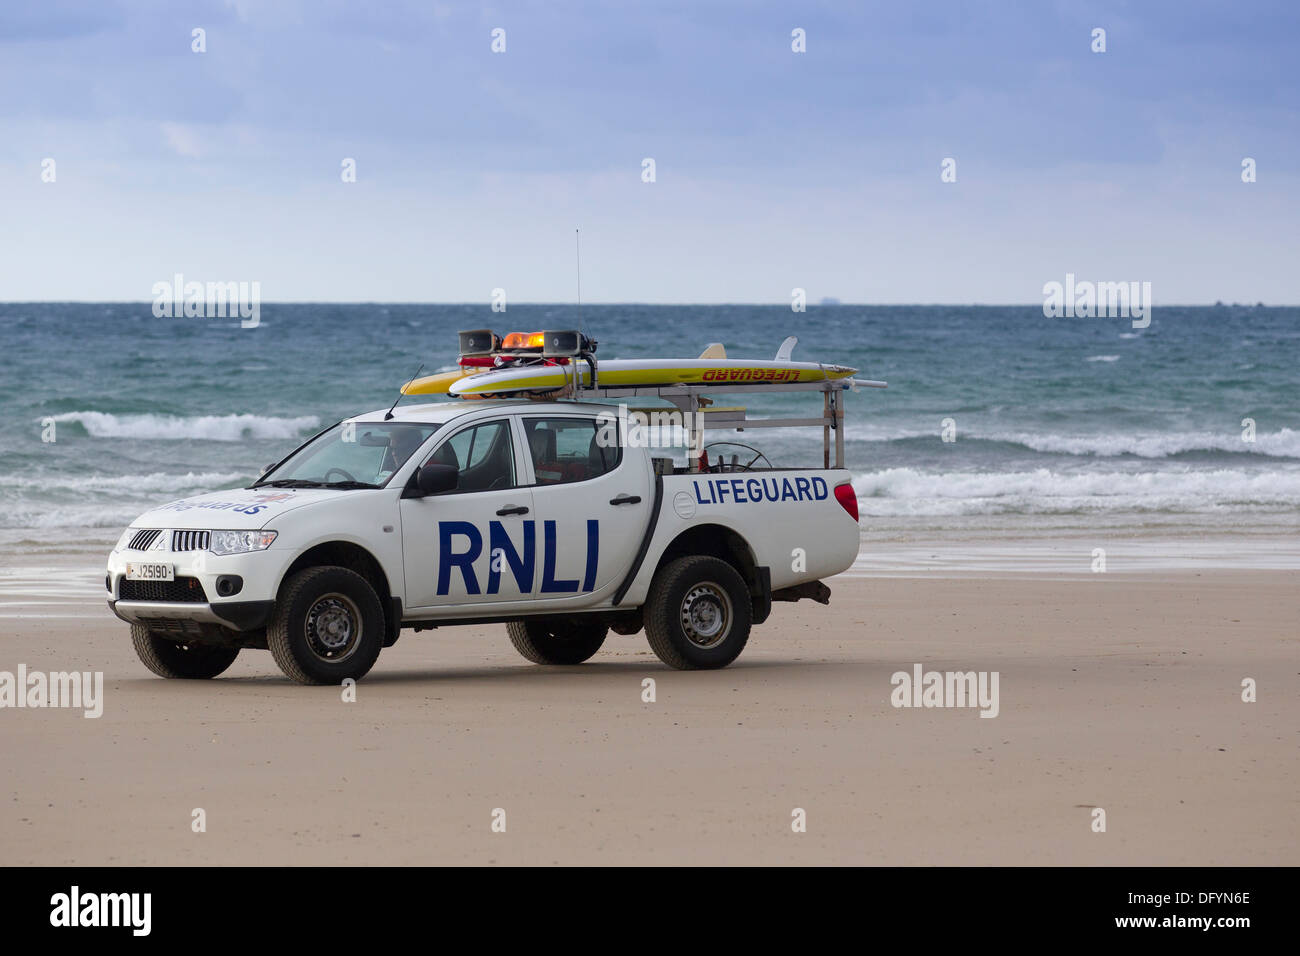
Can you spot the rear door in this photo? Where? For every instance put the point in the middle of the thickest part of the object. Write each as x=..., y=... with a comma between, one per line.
x=592, y=503
x=476, y=545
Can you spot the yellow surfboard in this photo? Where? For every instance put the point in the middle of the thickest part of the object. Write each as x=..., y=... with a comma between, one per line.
x=627, y=372
x=440, y=383
x=713, y=368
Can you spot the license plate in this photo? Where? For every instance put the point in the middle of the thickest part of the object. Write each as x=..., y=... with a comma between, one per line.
x=150, y=572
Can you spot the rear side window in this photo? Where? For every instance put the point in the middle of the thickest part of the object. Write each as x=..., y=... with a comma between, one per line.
x=571, y=449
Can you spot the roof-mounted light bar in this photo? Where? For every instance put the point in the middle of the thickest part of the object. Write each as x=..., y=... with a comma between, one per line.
x=554, y=343
x=522, y=341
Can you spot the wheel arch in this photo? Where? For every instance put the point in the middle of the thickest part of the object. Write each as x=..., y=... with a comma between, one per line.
x=726, y=544
x=354, y=557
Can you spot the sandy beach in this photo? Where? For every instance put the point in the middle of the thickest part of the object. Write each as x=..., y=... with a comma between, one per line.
x=1120, y=691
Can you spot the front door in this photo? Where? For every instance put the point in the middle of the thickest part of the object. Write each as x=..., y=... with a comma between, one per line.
x=475, y=545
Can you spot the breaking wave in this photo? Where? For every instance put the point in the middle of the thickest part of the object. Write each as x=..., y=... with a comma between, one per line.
x=1284, y=443
x=906, y=491
x=201, y=427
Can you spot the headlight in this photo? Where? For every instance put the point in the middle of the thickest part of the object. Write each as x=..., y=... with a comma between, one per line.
x=122, y=542
x=240, y=542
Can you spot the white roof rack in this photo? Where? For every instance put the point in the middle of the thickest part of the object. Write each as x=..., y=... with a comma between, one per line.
x=687, y=399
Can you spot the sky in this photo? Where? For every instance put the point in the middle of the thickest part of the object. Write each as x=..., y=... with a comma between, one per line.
x=773, y=169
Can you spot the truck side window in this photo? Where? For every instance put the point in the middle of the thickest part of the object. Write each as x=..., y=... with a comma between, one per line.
x=482, y=455
x=569, y=449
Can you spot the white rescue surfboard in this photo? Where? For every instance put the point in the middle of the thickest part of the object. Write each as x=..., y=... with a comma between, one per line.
x=718, y=372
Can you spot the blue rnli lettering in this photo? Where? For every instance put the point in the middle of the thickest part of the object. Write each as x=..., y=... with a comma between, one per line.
x=456, y=554
x=549, y=584
x=522, y=567
x=449, y=558
x=593, y=554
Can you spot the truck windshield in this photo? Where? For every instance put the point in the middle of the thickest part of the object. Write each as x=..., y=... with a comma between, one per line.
x=350, y=455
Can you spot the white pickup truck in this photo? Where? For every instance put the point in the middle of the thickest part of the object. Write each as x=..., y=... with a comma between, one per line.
x=471, y=512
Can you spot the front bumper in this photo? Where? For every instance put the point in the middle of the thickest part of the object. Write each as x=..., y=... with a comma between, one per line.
x=236, y=615
x=249, y=609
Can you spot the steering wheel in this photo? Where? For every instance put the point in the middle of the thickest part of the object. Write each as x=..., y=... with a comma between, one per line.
x=330, y=471
x=747, y=466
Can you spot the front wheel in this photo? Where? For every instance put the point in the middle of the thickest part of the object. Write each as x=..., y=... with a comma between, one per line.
x=698, y=613
x=328, y=626
x=179, y=661
x=557, y=642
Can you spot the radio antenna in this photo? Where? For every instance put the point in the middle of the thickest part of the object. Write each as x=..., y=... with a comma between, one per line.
x=400, y=393
x=577, y=255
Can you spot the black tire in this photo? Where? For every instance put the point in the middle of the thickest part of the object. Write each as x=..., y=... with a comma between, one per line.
x=328, y=625
x=178, y=661
x=557, y=641
x=698, y=613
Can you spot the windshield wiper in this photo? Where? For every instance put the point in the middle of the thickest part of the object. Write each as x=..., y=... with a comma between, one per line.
x=311, y=483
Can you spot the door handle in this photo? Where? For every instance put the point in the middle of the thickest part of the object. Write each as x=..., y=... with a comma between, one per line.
x=513, y=510
x=626, y=500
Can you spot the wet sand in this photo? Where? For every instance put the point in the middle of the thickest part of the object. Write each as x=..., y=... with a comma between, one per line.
x=1120, y=691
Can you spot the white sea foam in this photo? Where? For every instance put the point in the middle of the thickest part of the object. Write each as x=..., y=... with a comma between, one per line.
x=142, y=484
x=203, y=427
x=1284, y=443
x=1103, y=358
x=40, y=515
x=54, y=501
x=907, y=491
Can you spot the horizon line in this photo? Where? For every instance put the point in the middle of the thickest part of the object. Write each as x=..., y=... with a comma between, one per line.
x=487, y=304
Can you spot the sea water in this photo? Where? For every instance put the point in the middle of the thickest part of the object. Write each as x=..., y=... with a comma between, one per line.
x=997, y=421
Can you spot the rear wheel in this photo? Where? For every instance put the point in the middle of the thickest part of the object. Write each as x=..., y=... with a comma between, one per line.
x=328, y=626
x=698, y=613
x=557, y=642
x=171, y=659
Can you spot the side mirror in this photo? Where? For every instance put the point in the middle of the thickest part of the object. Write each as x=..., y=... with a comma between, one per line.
x=434, y=479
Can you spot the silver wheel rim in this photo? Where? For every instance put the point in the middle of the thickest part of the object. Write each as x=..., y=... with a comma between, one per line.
x=333, y=627
x=706, y=614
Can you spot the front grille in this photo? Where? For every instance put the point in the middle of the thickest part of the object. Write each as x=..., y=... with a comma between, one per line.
x=180, y=591
x=143, y=539
x=190, y=540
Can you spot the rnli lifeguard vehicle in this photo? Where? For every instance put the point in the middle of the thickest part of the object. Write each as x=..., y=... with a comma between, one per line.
x=536, y=497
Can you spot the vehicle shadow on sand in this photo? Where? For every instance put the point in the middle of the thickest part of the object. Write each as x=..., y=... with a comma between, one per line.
x=497, y=673
x=532, y=673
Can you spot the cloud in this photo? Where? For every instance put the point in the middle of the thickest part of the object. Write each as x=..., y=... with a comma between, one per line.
x=183, y=140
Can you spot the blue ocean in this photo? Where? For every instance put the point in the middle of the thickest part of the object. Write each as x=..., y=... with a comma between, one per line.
x=1191, y=425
